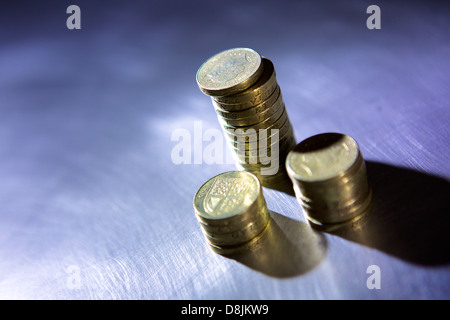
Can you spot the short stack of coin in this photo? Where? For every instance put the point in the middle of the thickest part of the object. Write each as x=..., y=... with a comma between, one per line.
x=249, y=105
x=232, y=211
x=330, y=182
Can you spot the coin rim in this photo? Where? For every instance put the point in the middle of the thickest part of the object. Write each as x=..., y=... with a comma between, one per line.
x=235, y=87
x=297, y=177
x=199, y=210
x=246, y=98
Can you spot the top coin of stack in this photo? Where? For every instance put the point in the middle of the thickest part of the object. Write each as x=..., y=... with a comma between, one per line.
x=231, y=210
x=330, y=182
x=249, y=105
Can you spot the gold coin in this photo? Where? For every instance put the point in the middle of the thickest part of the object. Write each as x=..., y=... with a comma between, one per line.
x=253, y=110
x=329, y=178
x=229, y=72
x=266, y=153
x=256, y=118
x=264, y=144
x=235, y=222
x=226, y=195
x=276, y=119
x=260, y=137
x=351, y=224
x=231, y=208
x=242, y=234
x=243, y=247
x=255, y=124
x=252, y=138
x=322, y=157
x=255, y=94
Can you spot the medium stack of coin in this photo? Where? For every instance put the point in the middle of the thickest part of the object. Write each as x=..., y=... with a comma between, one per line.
x=232, y=211
x=249, y=105
x=330, y=182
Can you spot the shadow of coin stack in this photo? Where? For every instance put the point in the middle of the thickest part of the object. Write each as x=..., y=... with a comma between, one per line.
x=249, y=106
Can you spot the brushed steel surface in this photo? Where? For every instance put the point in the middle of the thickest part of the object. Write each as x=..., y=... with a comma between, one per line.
x=93, y=207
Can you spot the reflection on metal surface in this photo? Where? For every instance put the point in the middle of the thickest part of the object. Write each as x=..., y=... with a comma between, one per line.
x=411, y=216
x=287, y=248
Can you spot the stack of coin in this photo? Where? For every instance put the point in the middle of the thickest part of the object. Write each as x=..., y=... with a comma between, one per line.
x=249, y=105
x=232, y=211
x=330, y=182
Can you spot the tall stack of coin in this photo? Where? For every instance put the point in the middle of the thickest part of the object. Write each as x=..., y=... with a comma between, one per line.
x=231, y=210
x=330, y=182
x=249, y=105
